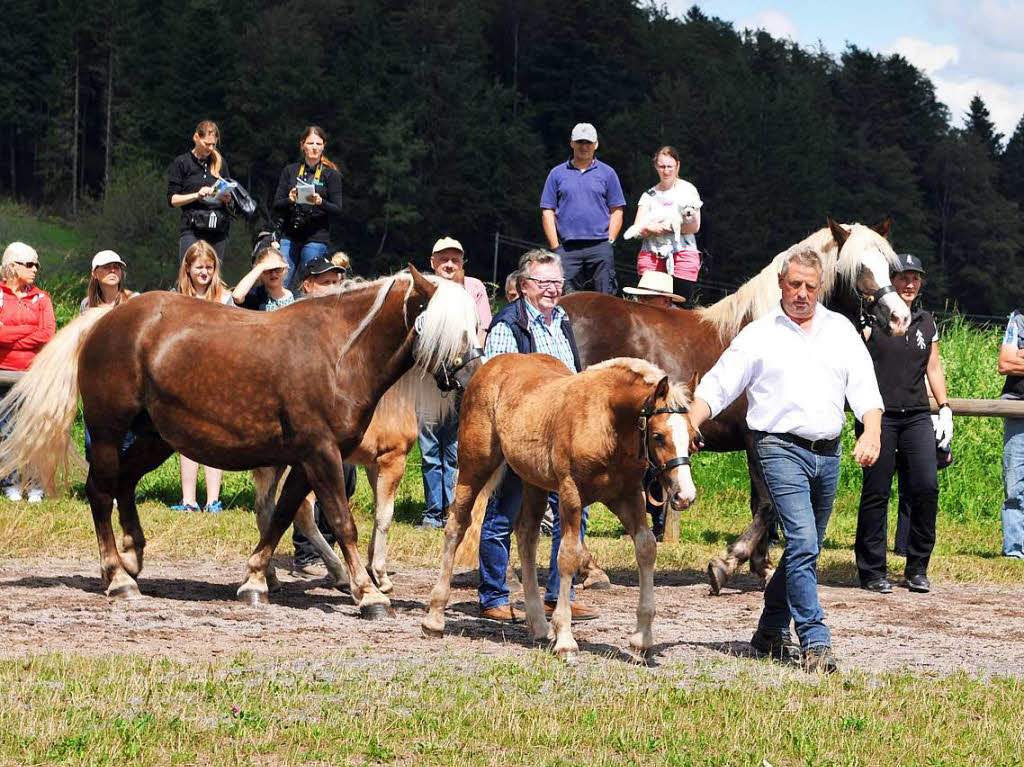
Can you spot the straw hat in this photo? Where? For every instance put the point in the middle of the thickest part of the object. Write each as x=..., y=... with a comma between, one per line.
x=654, y=283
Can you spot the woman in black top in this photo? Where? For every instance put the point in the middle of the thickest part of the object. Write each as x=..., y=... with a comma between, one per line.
x=306, y=222
x=901, y=365
x=193, y=179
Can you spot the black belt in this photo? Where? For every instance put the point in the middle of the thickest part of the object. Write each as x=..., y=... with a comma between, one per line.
x=579, y=244
x=819, y=446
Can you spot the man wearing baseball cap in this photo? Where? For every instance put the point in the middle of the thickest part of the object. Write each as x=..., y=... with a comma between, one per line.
x=581, y=212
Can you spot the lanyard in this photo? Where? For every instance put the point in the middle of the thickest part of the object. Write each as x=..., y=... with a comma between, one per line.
x=316, y=176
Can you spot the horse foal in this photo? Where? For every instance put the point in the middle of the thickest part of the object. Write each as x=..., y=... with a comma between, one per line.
x=590, y=437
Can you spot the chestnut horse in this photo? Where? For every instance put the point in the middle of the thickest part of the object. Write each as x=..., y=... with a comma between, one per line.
x=382, y=452
x=590, y=436
x=856, y=260
x=235, y=390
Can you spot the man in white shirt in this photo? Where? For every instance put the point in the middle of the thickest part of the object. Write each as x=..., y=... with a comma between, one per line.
x=797, y=365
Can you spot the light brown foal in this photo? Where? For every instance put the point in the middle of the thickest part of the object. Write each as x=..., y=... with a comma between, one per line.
x=590, y=437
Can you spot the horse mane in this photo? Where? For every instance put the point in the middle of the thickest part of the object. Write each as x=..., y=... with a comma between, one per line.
x=678, y=394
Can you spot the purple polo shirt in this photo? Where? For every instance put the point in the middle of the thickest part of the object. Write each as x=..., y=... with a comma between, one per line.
x=582, y=200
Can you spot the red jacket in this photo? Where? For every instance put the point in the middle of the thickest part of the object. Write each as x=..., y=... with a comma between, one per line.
x=27, y=324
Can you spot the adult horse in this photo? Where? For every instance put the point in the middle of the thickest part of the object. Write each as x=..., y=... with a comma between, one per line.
x=236, y=390
x=589, y=436
x=855, y=267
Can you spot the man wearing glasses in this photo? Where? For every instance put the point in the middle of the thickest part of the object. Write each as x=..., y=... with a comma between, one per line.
x=581, y=212
x=533, y=323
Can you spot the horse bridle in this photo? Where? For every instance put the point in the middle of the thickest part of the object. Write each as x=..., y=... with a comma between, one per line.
x=870, y=304
x=680, y=460
x=447, y=377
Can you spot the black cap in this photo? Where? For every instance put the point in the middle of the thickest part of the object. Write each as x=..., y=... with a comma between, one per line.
x=320, y=265
x=909, y=263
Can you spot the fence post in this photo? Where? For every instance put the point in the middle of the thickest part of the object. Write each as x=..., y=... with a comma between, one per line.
x=494, y=274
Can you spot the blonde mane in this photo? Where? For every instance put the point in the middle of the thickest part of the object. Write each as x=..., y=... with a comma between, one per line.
x=760, y=294
x=678, y=394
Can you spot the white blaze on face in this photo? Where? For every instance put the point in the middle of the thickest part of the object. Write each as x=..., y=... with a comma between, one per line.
x=899, y=319
x=679, y=426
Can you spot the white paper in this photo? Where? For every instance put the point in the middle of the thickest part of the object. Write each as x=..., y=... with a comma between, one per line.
x=304, y=192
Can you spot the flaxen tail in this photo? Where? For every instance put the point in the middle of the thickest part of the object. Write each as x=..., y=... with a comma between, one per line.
x=40, y=408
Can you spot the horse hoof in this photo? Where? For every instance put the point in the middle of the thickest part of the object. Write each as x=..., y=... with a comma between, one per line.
x=253, y=598
x=374, y=612
x=598, y=581
x=385, y=586
x=717, y=576
x=125, y=592
x=432, y=631
x=570, y=657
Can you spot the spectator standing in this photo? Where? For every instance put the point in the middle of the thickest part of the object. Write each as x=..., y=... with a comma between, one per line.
x=307, y=222
x=191, y=187
x=662, y=249
x=901, y=365
x=533, y=323
x=581, y=212
x=199, y=277
x=797, y=366
x=439, y=432
x=1011, y=365
x=26, y=324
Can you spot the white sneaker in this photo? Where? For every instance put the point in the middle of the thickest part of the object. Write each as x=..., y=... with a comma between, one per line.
x=12, y=493
x=35, y=495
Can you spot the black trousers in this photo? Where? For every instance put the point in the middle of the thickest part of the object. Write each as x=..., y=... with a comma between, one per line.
x=304, y=552
x=913, y=439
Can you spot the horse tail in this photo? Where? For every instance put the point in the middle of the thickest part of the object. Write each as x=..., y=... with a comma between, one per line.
x=40, y=408
x=468, y=555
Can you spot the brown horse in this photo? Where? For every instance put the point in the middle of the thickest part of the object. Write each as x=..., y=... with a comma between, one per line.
x=382, y=452
x=855, y=261
x=236, y=390
x=589, y=436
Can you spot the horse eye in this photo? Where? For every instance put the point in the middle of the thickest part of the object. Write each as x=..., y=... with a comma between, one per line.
x=659, y=438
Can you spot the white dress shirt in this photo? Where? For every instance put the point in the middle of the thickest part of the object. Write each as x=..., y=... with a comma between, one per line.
x=796, y=382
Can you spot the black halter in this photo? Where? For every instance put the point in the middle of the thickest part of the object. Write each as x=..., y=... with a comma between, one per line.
x=871, y=306
x=447, y=377
x=645, y=453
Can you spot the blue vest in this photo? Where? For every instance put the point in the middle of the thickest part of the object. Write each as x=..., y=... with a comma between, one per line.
x=515, y=316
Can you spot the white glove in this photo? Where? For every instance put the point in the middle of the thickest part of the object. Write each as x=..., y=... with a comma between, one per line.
x=943, y=425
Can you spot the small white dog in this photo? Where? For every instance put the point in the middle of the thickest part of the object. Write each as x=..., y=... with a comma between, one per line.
x=680, y=219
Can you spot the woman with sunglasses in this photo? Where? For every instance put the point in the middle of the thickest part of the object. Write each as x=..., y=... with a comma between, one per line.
x=26, y=324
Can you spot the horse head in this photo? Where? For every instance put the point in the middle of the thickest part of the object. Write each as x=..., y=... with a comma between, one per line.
x=665, y=435
x=865, y=259
x=444, y=319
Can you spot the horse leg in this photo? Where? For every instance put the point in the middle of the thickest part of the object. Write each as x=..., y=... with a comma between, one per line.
x=100, y=487
x=570, y=509
x=305, y=521
x=265, y=482
x=591, y=575
x=527, y=532
x=324, y=469
x=470, y=482
x=385, y=477
x=633, y=515
x=254, y=588
x=146, y=453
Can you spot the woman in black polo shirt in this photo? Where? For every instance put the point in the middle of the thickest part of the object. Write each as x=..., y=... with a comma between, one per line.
x=901, y=365
x=306, y=220
x=193, y=179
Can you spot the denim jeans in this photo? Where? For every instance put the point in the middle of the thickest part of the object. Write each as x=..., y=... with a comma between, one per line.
x=1013, y=480
x=439, y=445
x=589, y=267
x=803, y=486
x=307, y=252
x=496, y=541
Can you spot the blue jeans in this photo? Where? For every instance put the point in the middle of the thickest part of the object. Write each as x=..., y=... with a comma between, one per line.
x=496, y=541
x=1013, y=480
x=803, y=486
x=307, y=252
x=439, y=445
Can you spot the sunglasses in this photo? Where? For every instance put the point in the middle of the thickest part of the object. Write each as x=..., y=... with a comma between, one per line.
x=28, y=264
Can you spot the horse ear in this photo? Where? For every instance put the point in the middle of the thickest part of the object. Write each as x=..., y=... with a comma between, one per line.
x=661, y=390
x=840, y=234
x=421, y=283
x=884, y=227
x=694, y=381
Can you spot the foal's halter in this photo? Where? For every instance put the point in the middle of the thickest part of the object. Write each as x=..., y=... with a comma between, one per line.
x=447, y=378
x=680, y=460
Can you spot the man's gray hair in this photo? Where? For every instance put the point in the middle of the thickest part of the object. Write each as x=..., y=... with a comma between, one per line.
x=804, y=257
x=537, y=256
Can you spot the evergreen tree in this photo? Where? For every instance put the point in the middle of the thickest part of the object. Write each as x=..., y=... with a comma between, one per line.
x=980, y=125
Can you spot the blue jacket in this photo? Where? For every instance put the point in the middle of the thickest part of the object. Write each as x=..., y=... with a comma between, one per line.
x=514, y=315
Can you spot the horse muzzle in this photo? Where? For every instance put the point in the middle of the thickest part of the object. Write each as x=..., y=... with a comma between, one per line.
x=455, y=376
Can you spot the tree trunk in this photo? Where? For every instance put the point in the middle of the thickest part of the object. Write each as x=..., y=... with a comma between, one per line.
x=74, y=146
x=110, y=100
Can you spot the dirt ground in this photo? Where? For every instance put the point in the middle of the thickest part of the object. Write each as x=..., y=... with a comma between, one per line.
x=188, y=612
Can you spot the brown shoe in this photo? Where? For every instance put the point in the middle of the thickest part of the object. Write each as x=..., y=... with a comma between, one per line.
x=501, y=613
x=579, y=612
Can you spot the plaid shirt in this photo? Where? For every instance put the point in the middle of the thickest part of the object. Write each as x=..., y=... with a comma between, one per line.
x=548, y=339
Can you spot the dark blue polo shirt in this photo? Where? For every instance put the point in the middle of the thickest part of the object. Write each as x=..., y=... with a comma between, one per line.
x=582, y=199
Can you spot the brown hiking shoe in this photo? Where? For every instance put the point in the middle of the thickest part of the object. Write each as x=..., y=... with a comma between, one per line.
x=501, y=614
x=820, y=660
x=579, y=612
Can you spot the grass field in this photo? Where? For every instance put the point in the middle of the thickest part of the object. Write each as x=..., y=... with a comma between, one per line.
x=324, y=706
